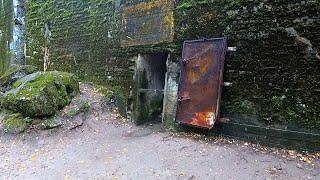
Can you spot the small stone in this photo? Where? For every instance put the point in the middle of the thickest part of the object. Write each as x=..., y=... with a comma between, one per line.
x=51, y=123
x=75, y=122
x=79, y=106
x=299, y=166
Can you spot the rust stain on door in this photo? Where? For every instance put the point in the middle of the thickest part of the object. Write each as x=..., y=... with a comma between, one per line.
x=200, y=82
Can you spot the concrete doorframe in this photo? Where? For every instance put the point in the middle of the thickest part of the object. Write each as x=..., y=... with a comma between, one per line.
x=150, y=77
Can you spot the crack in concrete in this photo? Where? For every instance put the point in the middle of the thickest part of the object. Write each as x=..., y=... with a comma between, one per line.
x=310, y=51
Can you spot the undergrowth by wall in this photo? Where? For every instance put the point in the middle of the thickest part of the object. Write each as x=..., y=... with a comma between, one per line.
x=274, y=73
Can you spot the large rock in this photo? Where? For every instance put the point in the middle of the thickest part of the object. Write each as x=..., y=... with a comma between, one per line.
x=12, y=122
x=52, y=122
x=41, y=94
x=14, y=73
x=15, y=123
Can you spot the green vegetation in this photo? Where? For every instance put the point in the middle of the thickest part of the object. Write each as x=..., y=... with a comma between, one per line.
x=116, y=95
x=80, y=106
x=52, y=122
x=41, y=94
x=13, y=73
x=14, y=123
x=6, y=26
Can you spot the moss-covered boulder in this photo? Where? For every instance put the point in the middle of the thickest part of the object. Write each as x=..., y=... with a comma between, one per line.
x=41, y=94
x=4, y=114
x=11, y=122
x=15, y=123
x=52, y=122
x=14, y=73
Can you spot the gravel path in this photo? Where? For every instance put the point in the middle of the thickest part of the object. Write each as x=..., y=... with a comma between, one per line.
x=108, y=147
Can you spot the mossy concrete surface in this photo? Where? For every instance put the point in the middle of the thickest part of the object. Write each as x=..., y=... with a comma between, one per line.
x=6, y=29
x=274, y=73
x=115, y=95
x=171, y=95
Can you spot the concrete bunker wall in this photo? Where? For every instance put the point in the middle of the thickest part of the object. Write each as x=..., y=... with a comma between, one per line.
x=274, y=74
x=6, y=29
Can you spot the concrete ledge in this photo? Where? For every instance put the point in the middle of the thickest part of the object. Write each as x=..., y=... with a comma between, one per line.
x=272, y=137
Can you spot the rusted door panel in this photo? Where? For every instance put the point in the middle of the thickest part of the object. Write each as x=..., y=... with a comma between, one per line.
x=200, y=82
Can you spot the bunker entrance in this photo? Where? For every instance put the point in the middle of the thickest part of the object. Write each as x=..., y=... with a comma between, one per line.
x=150, y=76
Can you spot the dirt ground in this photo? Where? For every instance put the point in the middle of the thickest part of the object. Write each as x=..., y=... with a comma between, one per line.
x=106, y=146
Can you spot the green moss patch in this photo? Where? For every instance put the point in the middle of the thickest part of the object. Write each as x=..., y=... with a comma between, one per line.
x=6, y=29
x=51, y=122
x=14, y=123
x=14, y=73
x=79, y=106
x=41, y=94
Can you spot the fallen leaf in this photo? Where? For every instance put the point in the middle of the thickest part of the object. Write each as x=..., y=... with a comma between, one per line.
x=34, y=157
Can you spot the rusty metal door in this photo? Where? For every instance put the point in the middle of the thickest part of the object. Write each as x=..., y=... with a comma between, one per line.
x=200, y=82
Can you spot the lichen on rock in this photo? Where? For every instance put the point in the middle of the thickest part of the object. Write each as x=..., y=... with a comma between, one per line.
x=52, y=122
x=41, y=94
x=13, y=122
x=14, y=73
x=78, y=106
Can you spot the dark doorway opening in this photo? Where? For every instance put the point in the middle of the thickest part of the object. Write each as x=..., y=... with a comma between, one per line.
x=151, y=75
